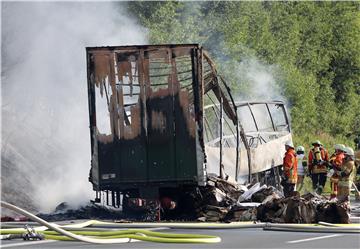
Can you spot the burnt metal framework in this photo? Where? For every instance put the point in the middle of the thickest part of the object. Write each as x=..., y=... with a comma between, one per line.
x=146, y=115
x=149, y=125
x=263, y=129
x=272, y=133
x=274, y=129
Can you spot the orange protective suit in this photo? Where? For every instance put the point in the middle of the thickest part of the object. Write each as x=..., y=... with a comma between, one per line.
x=336, y=161
x=290, y=166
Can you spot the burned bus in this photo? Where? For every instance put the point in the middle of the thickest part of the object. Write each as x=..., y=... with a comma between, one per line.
x=162, y=120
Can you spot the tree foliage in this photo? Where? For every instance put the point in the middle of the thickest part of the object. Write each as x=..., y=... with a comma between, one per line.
x=314, y=46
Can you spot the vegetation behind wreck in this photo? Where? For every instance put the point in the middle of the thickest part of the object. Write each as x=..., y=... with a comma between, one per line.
x=314, y=46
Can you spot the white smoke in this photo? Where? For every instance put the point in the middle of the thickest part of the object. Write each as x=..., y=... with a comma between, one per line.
x=260, y=81
x=262, y=84
x=46, y=141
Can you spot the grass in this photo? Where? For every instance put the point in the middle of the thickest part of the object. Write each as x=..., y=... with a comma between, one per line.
x=308, y=186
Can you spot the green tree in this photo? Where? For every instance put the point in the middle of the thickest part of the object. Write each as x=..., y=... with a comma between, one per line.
x=314, y=47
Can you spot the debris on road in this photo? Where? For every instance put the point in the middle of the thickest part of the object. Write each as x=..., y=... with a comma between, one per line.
x=88, y=211
x=8, y=218
x=226, y=201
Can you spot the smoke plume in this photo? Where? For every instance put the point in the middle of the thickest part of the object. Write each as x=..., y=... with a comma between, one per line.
x=260, y=80
x=45, y=134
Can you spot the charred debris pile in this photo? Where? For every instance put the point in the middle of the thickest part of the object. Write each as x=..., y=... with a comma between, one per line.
x=225, y=201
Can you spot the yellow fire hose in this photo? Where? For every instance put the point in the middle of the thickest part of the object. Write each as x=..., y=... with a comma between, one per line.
x=103, y=237
x=207, y=225
x=92, y=231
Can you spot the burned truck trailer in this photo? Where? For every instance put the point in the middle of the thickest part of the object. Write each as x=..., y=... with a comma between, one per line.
x=162, y=120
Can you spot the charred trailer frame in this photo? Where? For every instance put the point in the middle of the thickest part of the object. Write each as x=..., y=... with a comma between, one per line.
x=162, y=120
x=146, y=111
x=264, y=129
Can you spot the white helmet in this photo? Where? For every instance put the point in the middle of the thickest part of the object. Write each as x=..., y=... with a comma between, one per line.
x=289, y=143
x=349, y=151
x=300, y=148
x=339, y=147
x=316, y=142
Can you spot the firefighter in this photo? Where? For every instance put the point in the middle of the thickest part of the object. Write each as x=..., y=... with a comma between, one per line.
x=335, y=163
x=357, y=172
x=357, y=142
x=345, y=175
x=289, y=177
x=301, y=167
x=318, y=160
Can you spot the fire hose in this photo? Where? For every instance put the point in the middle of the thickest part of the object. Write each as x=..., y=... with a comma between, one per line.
x=81, y=231
x=315, y=228
x=107, y=237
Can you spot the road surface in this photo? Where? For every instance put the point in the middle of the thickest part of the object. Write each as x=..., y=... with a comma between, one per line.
x=231, y=238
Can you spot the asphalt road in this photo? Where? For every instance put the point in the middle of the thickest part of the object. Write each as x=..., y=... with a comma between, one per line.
x=231, y=238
